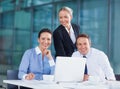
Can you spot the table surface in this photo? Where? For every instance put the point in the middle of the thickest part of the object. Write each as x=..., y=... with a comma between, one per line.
x=36, y=84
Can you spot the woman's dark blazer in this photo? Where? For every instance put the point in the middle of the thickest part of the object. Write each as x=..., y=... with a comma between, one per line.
x=62, y=41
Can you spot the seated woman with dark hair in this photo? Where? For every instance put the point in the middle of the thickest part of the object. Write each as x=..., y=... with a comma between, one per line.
x=38, y=61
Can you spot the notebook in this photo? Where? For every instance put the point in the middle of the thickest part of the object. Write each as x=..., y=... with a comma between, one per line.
x=69, y=69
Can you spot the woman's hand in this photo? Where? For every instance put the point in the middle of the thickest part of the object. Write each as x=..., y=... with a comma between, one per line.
x=30, y=76
x=48, y=54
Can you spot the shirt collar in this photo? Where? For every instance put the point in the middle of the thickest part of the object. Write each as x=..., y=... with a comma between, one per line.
x=88, y=54
x=38, y=51
x=71, y=29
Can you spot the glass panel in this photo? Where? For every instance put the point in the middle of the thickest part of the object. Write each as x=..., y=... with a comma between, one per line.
x=23, y=20
x=1, y=20
x=43, y=17
x=115, y=35
x=39, y=2
x=6, y=37
x=25, y=3
x=7, y=5
x=94, y=20
x=57, y=0
x=7, y=20
x=5, y=61
x=34, y=39
x=6, y=58
x=17, y=56
x=22, y=40
x=22, y=30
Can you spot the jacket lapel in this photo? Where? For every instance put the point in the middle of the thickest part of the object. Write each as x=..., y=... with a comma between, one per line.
x=74, y=30
x=66, y=37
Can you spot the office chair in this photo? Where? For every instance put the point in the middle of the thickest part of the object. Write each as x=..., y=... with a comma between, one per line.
x=12, y=75
x=2, y=87
x=117, y=76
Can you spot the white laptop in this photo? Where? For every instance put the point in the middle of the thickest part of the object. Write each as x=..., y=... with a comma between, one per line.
x=69, y=69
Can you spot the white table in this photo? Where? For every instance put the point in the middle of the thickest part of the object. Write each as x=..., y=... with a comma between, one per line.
x=35, y=84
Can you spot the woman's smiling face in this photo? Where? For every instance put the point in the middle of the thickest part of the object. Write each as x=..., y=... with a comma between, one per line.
x=65, y=18
x=45, y=40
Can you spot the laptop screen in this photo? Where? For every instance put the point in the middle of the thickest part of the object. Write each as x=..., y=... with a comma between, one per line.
x=69, y=69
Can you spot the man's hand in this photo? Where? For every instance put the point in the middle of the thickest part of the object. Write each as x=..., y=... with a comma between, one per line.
x=86, y=77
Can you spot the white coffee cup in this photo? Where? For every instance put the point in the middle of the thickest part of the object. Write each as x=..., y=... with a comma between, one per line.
x=48, y=77
x=94, y=79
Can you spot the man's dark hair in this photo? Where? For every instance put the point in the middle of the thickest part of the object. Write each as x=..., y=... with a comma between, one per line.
x=83, y=35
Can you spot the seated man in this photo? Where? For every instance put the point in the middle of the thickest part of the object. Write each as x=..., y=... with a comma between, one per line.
x=96, y=61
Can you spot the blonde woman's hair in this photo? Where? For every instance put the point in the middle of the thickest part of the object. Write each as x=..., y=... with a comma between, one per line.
x=69, y=10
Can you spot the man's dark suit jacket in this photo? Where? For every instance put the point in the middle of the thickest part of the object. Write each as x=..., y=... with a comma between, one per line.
x=62, y=41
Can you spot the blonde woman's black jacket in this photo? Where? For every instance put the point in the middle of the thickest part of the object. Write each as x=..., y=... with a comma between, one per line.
x=62, y=41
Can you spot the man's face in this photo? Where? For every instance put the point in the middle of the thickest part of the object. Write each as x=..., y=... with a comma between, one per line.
x=83, y=45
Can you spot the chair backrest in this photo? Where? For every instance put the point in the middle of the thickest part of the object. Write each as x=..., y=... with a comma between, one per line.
x=12, y=75
x=117, y=76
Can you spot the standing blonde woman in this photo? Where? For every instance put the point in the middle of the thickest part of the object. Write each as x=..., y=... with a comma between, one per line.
x=65, y=34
